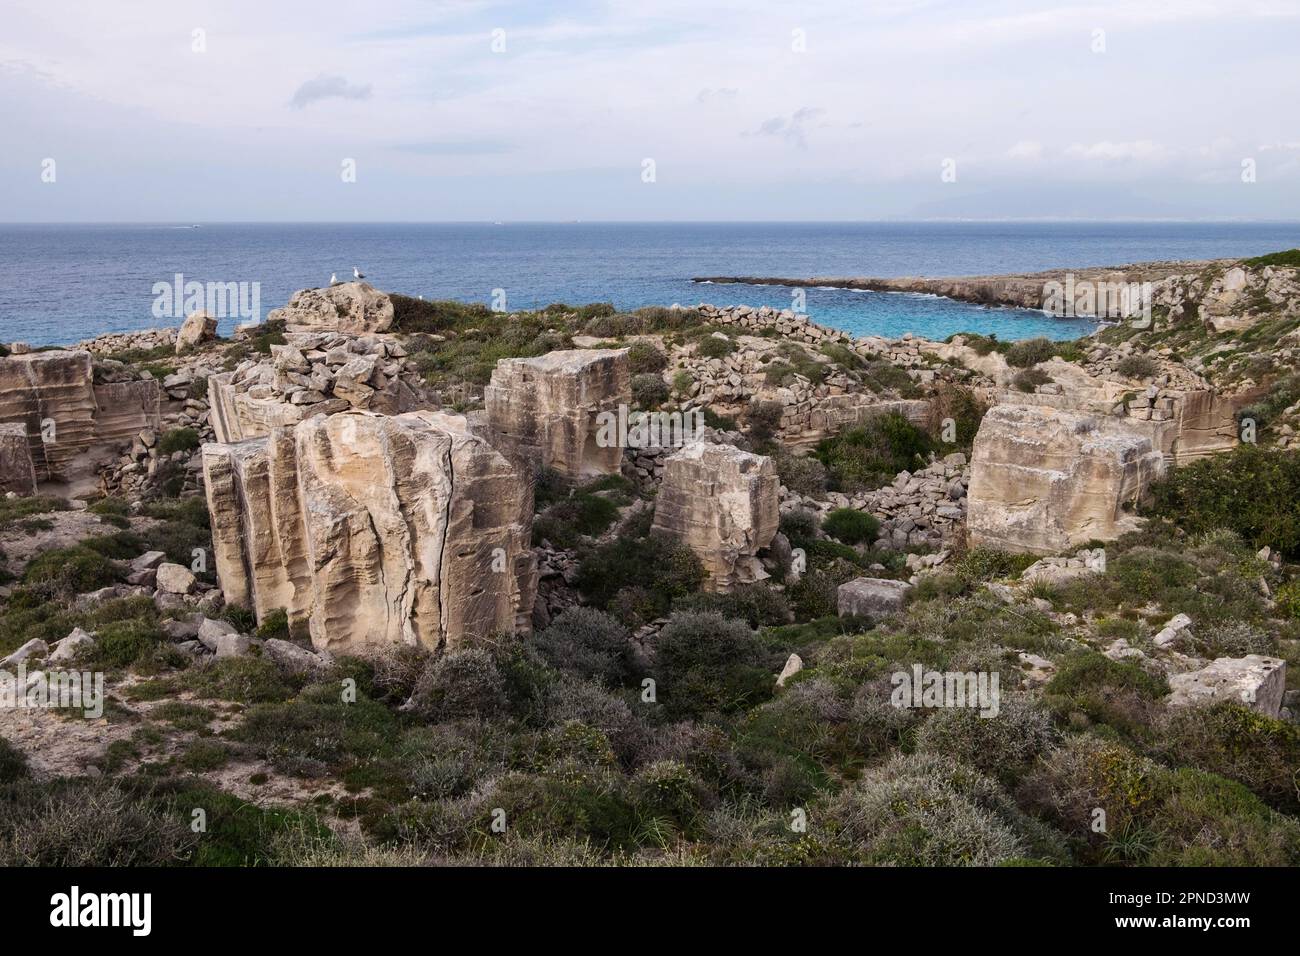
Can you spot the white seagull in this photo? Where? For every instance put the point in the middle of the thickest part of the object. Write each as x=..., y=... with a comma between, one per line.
x=334, y=279
x=357, y=274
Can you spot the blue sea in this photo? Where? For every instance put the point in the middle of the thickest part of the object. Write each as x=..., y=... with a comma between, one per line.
x=64, y=283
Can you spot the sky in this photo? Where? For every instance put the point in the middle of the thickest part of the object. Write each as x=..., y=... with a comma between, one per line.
x=436, y=110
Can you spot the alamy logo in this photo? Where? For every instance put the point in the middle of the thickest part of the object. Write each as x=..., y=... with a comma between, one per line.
x=920, y=688
x=221, y=300
x=1087, y=299
x=53, y=690
x=103, y=909
x=625, y=429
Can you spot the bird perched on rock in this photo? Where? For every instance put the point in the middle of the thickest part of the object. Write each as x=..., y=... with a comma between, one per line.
x=334, y=278
x=357, y=273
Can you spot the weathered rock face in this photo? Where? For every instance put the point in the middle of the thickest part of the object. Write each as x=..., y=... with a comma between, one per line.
x=871, y=597
x=72, y=424
x=1044, y=480
x=313, y=374
x=17, y=473
x=374, y=530
x=545, y=410
x=355, y=307
x=198, y=327
x=723, y=503
x=1256, y=681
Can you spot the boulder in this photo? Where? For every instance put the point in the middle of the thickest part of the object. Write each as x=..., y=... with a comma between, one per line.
x=871, y=597
x=68, y=648
x=347, y=307
x=198, y=327
x=1044, y=480
x=1172, y=630
x=210, y=632
x=233, y=645
x=292, y=658
x=33, y=648
x=372, y=530
x=175, y=579
x=793, y=665
x=17, y=473
x=1254, y=680
x=722, y=503
x=548, y=410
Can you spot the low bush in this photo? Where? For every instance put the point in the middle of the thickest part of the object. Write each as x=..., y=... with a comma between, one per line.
x=1207, y=494
x=460, y=684
x=590, y=643
x=851, y=526
x=1029, y=352
x=759, y=605
x=178, y=439
x=706, y=664
x=871, y=455
x=645, y=357
x=715, y=347
x=1003, y=744
x=1137, y=366
x=649, y=391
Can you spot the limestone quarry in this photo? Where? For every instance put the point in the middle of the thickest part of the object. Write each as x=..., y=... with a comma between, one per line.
x=421, y=503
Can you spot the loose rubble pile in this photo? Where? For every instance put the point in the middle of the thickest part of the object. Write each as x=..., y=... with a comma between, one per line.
x=925, y=508
x=317, y=373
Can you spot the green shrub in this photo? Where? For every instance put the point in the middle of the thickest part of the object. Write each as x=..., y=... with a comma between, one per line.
x=1002, y=744
x=800, y=526
x=178, y=439
x=1154, y=816
x=715, y=347
x=92, y=823
x=764, y=420
x=649, y=391
x=1029, y=352
x=1030, y=379
x=459, y=684
x=68, y=571
x=1208, y=493
x=645, y=357
x=656, y=568
x=274, y=625
x=126, y=643
x=927, y=810
x=1137, y=366
x=759, y=605
x=13, y=764
x=871, y=455
x=245, y=680
x=709, y=664
x=802, y=474
x=851, y=526
x=587, y=642
x=1231, y=740
x=1089, y=687
x=583, y=514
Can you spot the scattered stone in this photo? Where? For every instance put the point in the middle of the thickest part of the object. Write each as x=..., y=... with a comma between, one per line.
x=72, y=645
x=32, y=649
x=793, y=665
x=175, y=579
x=1254, y=680
x=871, y=597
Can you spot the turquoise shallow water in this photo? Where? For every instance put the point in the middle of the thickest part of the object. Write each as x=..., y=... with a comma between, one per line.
x=69, y=282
